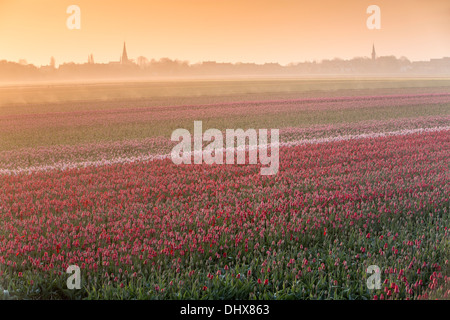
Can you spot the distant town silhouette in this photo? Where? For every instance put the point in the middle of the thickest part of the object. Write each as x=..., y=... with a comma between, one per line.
x=143, y=68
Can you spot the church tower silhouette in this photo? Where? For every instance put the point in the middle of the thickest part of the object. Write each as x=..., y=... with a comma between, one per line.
x=124, y=58
x=374, y=54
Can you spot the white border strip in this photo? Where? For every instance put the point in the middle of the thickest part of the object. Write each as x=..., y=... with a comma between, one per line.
x=124, y=160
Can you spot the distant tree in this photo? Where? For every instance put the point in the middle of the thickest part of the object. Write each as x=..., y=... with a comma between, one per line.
x=388, y=64
x=142, y=62
x=404, y=60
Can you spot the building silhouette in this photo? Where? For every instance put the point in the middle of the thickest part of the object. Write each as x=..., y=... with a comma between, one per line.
x=128, y=68
x=91, y=59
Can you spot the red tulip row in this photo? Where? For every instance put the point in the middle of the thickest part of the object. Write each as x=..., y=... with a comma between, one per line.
x=331, y=211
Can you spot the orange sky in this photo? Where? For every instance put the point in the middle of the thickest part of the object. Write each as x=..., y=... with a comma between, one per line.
x=222, y=30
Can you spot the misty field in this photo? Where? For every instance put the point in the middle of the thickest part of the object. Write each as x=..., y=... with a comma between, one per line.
x=86, y=180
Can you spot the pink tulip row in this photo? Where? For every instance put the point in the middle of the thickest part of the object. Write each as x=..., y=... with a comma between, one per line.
x=130, y=115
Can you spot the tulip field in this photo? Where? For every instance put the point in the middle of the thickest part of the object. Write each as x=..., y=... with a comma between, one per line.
x=363, y=180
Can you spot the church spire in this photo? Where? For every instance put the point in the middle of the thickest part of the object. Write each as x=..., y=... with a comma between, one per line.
x=374, y=54
x=124, y=54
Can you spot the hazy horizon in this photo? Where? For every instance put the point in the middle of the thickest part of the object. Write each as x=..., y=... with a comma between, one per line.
x=221, y=62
